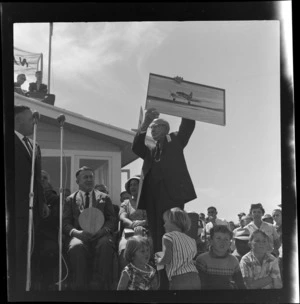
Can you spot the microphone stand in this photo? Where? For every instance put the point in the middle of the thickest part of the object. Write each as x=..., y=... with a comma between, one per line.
x=35, y=116
x=61, y=119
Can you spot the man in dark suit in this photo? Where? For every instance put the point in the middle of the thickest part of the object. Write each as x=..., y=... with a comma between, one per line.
x=165, y=181
x=38, y=86
x=84, y=247
x=21, y=78
x=23, y=119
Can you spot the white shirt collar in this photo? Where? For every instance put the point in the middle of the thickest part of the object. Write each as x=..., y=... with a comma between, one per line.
x=84, y=197
x=19, y=135
x=83, y=193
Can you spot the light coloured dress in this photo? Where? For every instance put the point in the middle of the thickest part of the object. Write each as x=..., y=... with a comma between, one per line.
x=132, y=214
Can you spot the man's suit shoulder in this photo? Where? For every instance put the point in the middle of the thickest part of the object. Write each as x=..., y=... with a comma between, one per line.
x=71, y=196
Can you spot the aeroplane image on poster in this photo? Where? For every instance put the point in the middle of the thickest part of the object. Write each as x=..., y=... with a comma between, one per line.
x=178, y=97
x=182, y=95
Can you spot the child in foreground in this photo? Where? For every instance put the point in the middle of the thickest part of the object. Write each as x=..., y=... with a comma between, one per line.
x=218, y=268
x=259, y=267
x=138, y=274
x=178, y=251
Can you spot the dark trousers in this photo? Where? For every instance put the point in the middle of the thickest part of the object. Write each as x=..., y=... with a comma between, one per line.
x=93, y=263
x=21, y=255
x=157, y=200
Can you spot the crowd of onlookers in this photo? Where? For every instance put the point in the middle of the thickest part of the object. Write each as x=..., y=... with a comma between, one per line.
x=126, y=245
x=221, y=256
x=256, y=242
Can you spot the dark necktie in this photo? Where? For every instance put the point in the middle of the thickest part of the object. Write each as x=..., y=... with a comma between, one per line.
x=157, y=153
x=87, y=200
x=28, y=145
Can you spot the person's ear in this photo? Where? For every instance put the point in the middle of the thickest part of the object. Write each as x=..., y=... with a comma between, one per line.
x=17, y=119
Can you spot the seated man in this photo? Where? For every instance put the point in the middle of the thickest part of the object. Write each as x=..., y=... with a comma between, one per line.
x=21, y=78
x=38, y=86
x=84, y=247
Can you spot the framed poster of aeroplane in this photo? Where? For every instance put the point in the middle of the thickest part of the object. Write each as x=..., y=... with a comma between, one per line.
x=177, y=97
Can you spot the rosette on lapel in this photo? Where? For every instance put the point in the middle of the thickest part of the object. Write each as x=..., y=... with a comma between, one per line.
x=80, y=201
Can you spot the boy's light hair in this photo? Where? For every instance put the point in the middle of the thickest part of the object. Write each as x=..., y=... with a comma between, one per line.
x=254, y=233
x=133, y=244
x=178, y=217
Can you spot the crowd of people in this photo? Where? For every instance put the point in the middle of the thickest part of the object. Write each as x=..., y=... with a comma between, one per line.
x=143, y=242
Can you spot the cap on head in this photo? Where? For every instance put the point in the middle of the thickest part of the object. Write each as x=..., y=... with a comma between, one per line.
x=161, y=121
x=242, y=234
x=267, y=216
x=257, y=206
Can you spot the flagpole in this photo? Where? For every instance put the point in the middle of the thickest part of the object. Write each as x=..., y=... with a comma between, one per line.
x=49, y=59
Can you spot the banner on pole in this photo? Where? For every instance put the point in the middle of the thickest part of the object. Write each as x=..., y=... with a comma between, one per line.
x=26, y=62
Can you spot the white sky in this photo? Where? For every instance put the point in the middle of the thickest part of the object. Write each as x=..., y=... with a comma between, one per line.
x=101, y=70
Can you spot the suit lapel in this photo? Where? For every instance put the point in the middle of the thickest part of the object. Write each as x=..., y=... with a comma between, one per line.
x=22, y=147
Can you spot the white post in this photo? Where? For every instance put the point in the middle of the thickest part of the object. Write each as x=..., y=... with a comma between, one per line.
x=61, y=120
x=49, y=59
x=31, y=197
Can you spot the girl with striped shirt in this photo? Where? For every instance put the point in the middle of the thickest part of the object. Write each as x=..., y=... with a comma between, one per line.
x=178, y=251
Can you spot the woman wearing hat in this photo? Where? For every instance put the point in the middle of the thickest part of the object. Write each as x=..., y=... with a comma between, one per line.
x=133, y=220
